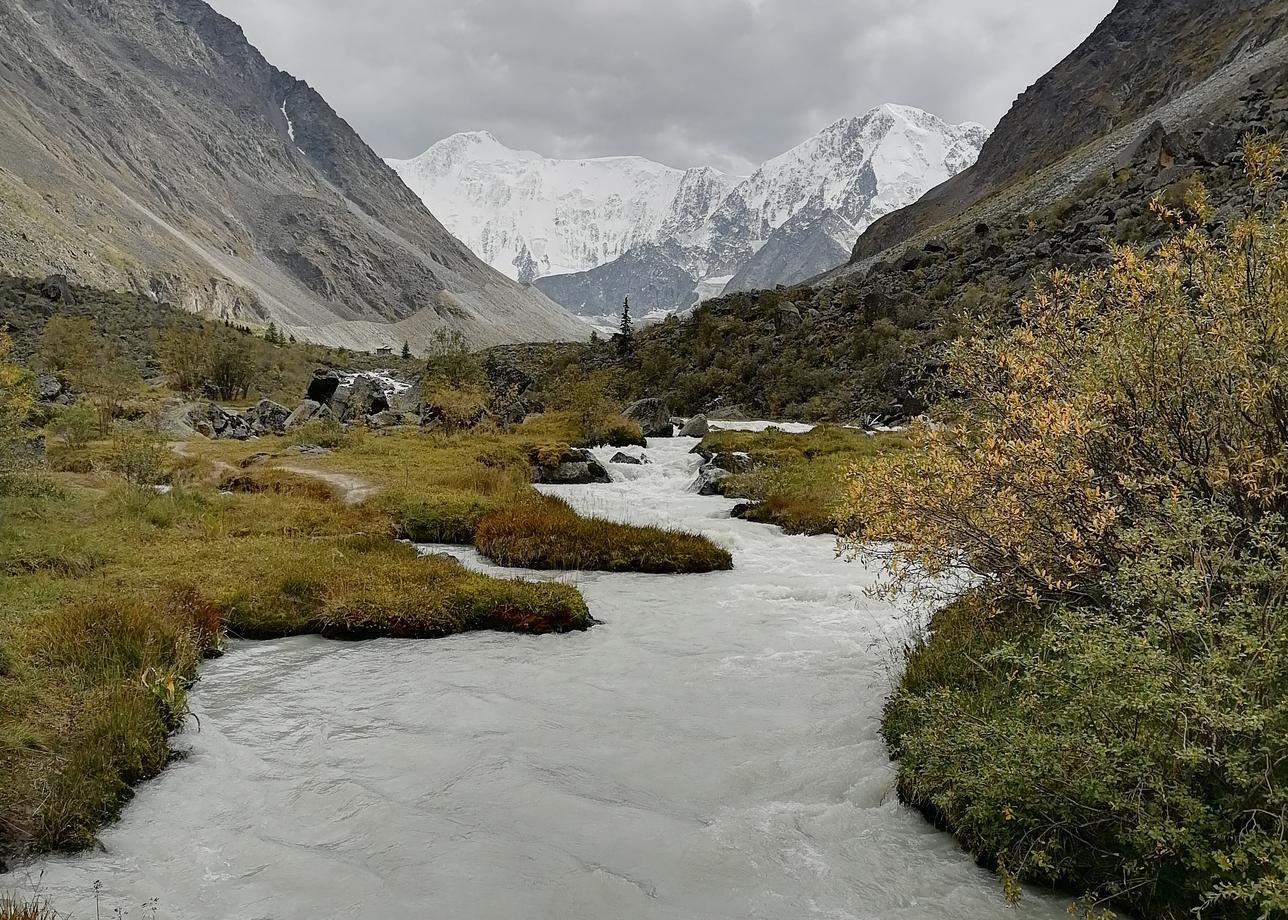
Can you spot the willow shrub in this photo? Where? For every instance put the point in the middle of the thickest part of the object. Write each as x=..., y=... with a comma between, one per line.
x=1106, y=509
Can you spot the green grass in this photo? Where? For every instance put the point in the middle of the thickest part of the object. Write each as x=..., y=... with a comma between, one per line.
x=797, y=478
x=548, y=534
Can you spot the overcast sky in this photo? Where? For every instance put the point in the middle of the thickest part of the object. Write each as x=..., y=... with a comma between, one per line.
x=725, y=83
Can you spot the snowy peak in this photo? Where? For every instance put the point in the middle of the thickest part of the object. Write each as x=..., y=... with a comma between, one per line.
x=531, y=216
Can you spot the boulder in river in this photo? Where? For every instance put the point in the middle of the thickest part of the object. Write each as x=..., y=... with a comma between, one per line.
x=623, y=457
x=696, y=427
x=576, y=467
x=709, y=479
x=359, y=400
x=653, y=417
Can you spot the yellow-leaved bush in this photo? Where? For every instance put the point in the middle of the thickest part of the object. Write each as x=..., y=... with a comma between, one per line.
x=1101, y=512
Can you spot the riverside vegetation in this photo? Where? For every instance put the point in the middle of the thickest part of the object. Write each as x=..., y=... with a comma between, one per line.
x=1103, y=519
x=125, y=560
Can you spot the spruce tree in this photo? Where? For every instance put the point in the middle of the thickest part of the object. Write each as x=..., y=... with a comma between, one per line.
x=271, y=335
x=406, y=352
x=626, y=336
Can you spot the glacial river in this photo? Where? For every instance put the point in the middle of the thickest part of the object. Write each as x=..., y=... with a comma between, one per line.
x=710, y=751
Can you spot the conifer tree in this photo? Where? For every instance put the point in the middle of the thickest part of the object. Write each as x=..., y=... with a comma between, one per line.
x=406, y=350
x=626, y=335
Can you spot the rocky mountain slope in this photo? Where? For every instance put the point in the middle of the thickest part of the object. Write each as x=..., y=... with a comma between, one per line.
x=1143, y=56
x=571, y=225
x=145, y=145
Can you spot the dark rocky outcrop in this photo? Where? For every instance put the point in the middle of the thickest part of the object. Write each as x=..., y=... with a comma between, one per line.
x=622, y=457
x=56, y=288
x=323, y=386
x=307, y=411
x=50, y=389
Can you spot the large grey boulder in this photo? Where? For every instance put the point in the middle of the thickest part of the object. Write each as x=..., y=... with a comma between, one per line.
x=267, y=417
x=307, y=411
x=56, y=288
x=696, y=427
x=577, y=467
x=360, y=399
x=653, y=417
x=50, y=389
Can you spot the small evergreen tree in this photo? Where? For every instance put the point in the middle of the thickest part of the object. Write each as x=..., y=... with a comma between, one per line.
x=406, y=352
x=626, y=335
x=271, y=335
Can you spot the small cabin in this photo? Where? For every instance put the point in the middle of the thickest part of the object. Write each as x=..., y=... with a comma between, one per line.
x=384, y=351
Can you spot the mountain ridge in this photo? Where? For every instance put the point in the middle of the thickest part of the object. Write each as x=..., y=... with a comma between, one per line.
x=148, y=146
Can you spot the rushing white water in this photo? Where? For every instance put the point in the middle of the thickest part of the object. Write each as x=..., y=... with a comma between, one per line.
x=710, y=751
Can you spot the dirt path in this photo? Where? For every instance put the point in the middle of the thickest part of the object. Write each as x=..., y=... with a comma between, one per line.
x=353, y=489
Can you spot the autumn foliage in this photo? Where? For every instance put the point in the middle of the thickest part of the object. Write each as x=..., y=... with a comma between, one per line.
x=1104, y=507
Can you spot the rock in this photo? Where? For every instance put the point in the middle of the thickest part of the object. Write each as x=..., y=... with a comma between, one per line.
x=623, y=457
x=323, y=386
x=577, y=467
x=653, y=417
x=733, y=461
x=695, y=427
x=254, y=459
x=788, y=317
x=307, y=411
x=709, y=479
x=56, y=288
x=213, y=421
x=307, y=450
x=392, y=418
x=742, y=510
x=49, y=388
x=706, y=454
x=360, y=399
x=267, y=417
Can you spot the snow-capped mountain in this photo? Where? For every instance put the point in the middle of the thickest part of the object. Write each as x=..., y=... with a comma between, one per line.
x=530, y=216
x=570, y=225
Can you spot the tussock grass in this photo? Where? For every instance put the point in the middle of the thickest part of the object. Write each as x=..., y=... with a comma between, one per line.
x=797, y=480
x=548, y=534
x=14, y=908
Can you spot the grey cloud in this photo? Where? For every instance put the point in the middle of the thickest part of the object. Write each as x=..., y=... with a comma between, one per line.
x=725, y=83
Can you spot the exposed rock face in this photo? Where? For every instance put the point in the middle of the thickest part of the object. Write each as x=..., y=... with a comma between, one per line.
x=653, y=417
x=362, y=398
x=1145, y=53
x=654, y=277
x=804, y=247
x=148, y=146
x=56, y=288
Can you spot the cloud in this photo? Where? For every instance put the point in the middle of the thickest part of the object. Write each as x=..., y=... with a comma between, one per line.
x=726, y=83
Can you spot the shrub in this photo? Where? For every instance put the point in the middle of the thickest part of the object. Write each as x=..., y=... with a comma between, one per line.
x=139, y=455
x=1101, y=707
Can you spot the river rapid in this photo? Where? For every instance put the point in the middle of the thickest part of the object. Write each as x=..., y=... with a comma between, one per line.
x=710, y=751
